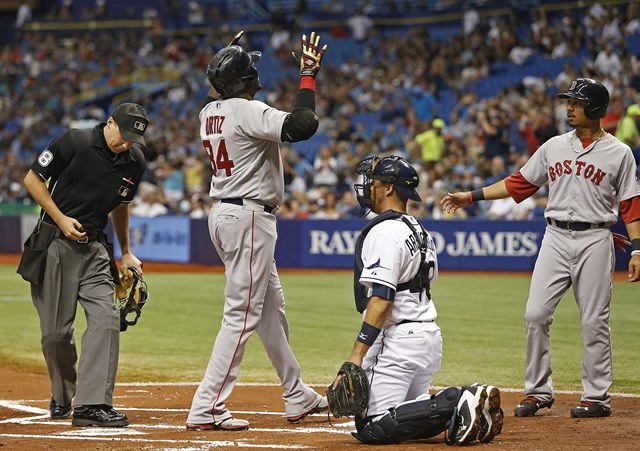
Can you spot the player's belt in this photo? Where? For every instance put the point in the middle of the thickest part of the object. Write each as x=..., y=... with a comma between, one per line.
x=240, y=202
x=576, y=226
x=407, y=321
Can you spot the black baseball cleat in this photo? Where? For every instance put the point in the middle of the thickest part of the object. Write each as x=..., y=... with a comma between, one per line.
x=100, y=415
x=470, y=407
x=588, y=409
x=530, y=405
x=59, y=412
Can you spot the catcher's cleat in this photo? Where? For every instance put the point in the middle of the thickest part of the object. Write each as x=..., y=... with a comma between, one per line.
x=470, y=407
x=492, y=416
x=228, y=424
x=588, y=409
x=320, y=407
x=530, y=405
x=99, y=415
x=59, y=412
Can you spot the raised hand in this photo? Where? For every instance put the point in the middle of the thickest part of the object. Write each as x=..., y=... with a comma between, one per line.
x=310, y=58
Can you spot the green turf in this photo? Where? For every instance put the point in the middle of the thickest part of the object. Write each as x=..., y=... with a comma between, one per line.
x=481, y=317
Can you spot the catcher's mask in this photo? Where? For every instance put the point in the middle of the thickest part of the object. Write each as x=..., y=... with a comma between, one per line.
x=395, y=170
x=133, y=303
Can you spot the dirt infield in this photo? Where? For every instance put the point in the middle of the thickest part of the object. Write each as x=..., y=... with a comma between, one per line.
x=157, y=413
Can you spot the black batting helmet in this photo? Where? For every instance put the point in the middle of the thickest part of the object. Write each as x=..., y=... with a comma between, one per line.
x=395, y=170
x=591, y=91
x=232, y=72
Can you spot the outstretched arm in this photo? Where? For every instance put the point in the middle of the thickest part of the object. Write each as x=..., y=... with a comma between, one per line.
x=452, y=201
x=302, y=123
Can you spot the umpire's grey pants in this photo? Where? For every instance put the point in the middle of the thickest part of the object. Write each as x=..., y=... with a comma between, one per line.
x=78, y=272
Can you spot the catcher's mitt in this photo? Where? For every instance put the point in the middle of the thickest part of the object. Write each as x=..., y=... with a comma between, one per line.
x=351, y=396
x=134, y=300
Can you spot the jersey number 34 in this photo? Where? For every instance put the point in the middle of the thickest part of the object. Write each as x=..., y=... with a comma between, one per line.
x=220, y=158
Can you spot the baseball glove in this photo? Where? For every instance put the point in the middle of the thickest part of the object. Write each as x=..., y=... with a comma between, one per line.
x=131, y=296
x=351, y=396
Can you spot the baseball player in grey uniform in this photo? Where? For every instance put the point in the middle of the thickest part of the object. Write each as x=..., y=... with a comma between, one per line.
x=591, y=176
x=241, y=137
x=400, y=345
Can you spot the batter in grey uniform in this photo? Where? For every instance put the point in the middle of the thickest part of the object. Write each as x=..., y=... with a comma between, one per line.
x=241, y=137
x=91, y=173
x=591, y=176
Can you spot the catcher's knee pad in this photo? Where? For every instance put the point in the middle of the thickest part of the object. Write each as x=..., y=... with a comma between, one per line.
x=413, y=419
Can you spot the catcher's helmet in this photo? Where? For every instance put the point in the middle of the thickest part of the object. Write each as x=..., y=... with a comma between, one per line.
x=591, y=91
x=395, y=170
x=232, y=71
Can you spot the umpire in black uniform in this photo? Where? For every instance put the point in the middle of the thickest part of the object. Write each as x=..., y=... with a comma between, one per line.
x=91, y=173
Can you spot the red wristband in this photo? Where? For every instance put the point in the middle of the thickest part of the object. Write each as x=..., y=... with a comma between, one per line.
x=308, y=82
x=470, y=197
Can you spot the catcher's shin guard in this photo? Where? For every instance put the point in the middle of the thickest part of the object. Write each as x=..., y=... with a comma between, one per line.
x=410, y=420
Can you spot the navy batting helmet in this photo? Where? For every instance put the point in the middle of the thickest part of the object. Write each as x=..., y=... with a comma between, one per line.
x=395, y=170
x=232, y=71
x=591, y=91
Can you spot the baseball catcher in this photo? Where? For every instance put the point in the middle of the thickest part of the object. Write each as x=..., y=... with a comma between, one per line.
x=131, y=295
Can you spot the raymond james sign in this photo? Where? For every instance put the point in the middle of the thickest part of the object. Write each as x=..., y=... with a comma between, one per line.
x=490, y=245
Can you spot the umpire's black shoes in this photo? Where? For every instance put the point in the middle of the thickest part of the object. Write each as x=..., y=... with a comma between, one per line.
x=588, y=409
x=59, y=412
x=99, y=415
x=530, y=405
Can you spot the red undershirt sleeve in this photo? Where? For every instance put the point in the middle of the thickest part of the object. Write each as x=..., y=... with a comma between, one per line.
x=519, y=188
x=630, y=209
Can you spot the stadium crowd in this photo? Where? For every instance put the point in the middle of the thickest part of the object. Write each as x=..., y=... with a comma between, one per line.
x=395, y=84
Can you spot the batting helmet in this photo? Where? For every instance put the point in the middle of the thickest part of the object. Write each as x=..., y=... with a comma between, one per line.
x=395, y=170
x=591, y=91
x=232, y=71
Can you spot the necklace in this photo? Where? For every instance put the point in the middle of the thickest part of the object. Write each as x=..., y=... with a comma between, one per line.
x=591, y=146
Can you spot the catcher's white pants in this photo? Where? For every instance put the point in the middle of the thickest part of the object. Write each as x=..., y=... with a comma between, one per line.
x=245, y=238
x=400, y=365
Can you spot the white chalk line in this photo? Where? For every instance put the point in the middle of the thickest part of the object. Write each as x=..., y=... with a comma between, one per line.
x=256, y=384
x=208, y=443
x=14, y=298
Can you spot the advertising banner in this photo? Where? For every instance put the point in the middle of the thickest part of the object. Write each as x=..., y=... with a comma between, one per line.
x=167, y=239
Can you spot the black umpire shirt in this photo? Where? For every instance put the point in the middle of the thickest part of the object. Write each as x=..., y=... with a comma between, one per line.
x=88, y=180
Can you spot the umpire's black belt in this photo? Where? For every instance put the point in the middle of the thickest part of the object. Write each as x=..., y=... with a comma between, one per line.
x=239, y=201
x=576, y=226
x=92, y=235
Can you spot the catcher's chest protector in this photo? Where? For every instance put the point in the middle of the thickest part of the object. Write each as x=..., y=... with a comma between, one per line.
x=418, y=283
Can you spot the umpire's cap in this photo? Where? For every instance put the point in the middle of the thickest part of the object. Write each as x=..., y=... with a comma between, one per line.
x=591, y=91
x=132, y=121
x=232, y=72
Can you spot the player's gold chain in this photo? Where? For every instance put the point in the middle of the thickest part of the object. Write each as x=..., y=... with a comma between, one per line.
x=590, y=147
